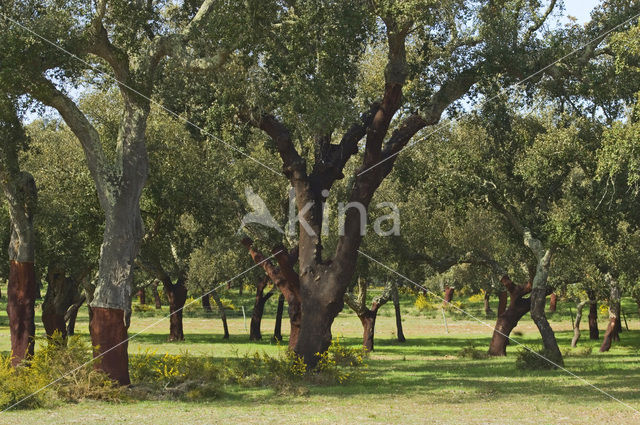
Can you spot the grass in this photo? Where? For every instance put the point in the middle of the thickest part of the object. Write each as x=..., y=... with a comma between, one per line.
x=420, y=381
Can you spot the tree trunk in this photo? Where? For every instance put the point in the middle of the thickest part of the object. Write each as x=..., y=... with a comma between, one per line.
x=258, y=309
x=487, y=307
x=614, y=313
x=509, y=318
x=206, y=303
x=553, y=299
x=504, y=325
x=176, y=295
x=396, y=306
x=61, y=293
x=109, y=338
x=21, y=193
x=368, y=320
x=448, y=295
x=142, y=296
x=576, y=324
x=502, y=302
x=156, y=295
x=223, y=315
x=277, y=330
x=594, y=333
x=72, y=314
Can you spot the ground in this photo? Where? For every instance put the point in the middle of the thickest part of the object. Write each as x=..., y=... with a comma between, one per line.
x=420, y=381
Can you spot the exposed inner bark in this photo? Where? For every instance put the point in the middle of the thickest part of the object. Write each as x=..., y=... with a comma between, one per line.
x=553, y=300
x=277, y=330
x=142, y=296
x=509, y=318
x=368, y=315
x=502, y=302
x=594, y=333
x=448, y=295
x=258, y=309
x=21, y=297
x=286, y=280
x=109, y=338
x=156, y=295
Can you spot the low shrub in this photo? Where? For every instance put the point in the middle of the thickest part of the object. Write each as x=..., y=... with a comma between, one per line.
x=473, y=353
x=577, y=352
x=533, y=360
x=60, y=371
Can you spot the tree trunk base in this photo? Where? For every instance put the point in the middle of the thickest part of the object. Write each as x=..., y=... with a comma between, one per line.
x=109, y=338
x=21, y=296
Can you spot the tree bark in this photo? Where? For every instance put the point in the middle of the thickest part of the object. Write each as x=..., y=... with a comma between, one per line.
x=277, y=330
x=396, y=305
x=510, y=317
x=156, y=295
x=502, y=302
x=72, y=314
x=258, y=309
x=611, y=333
x=487, y=307
x=109, y=338
x=223, y=315
x=176, y=295
x=594, y=333
x=576, y=324
x=448, y=295
x=60, y=296
x=206, y=303
x=286, y=280
x=553, y=299
x=539, y=297
x=368, y=315
x=142, y=296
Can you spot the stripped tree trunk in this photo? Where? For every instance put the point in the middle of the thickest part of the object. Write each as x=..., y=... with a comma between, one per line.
x=594, y=333
x=223, y=315
x=72, y=314
x=614, y=313
x=20, y=192
x=176, y=295
x=206, y=303
x=285, y=279
x=553, y=300
x=510, y=317
x=396, y=306
x=258, y=309
x=576, y=324
x=142, y=296
x=502, y=302
x=277, y=330
x=448, y=296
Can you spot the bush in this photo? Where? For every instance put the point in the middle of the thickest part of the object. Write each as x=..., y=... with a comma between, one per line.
x=533, y=360
x=143, y=308
x=577, y=352
x=64, y=368
x=471, y=352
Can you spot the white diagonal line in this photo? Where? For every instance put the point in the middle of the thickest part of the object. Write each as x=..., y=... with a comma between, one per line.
x=636, y=411
x=138, y=333
x=170, y=112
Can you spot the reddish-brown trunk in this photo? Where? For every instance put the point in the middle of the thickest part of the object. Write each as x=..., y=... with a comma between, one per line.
x=21, y=296
x=610, y=335
x=142, y=296
x=594, y=333
x=502, y=302
x=258, y=309
x=448, y=295
x=553, y=300
x=109, y=338
x=277, y=330
x=368, y=319
x=508, y=320
x=177, y=296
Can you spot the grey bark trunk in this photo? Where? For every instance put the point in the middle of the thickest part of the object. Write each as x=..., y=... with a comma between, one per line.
x=576, y=324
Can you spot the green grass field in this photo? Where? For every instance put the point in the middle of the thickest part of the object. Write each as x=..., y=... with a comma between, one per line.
x=420, y=381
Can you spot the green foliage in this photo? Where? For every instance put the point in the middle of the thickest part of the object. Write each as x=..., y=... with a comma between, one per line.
x=533, y=359
x=584, y=351
x=473, y=353
x=59, y=372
